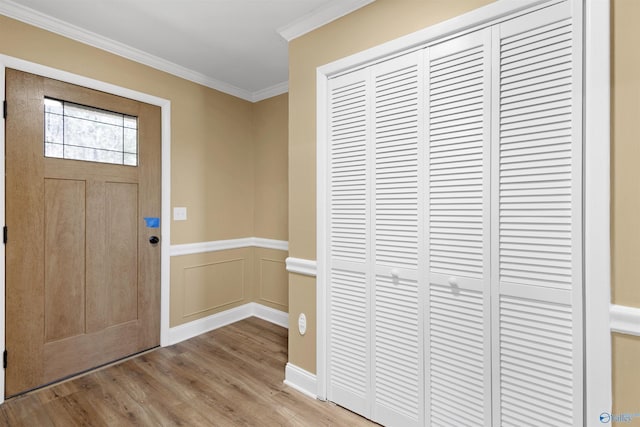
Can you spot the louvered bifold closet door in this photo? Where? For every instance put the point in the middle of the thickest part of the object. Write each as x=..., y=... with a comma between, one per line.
x=458, y=332
x=537, y=255
x=349, y=260
x=397, y=333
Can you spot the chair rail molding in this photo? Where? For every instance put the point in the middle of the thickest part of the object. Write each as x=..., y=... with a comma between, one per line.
x=305, y=267
x=223, y=245
x=625, y=320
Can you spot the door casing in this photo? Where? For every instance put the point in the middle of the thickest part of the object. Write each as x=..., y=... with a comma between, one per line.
x=165, y=106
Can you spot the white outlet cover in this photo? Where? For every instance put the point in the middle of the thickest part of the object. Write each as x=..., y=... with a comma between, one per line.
x=302, y=324
x=179, y=214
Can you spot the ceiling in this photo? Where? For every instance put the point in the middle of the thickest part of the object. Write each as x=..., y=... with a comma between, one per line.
x=236, y=46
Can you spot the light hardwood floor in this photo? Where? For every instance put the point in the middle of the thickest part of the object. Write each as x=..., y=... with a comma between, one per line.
x=232, y=376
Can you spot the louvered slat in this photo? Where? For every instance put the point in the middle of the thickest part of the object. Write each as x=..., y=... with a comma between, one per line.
x=457, y=131
x=396, y=126
x=348, y=338
x=538, y=247
x=348, y=171
x=457, y=357
x=458, y=230
x=397, y=324
x=397, y=376
x=348, y=361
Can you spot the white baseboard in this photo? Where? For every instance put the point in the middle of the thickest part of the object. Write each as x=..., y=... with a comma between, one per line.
x=218, y=320
x=301, y=380
x=269, y=314
x=625, y=320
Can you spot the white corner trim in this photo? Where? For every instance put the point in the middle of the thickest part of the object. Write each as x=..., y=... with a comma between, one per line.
x=301, y=266
x=223, y=245
x=271, y=91
x=319, y=17
x=218, y=320
x=49, y=23
x=625, y=320
x=300, y=380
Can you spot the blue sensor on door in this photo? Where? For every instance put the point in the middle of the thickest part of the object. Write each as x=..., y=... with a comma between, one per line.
x=152, y=222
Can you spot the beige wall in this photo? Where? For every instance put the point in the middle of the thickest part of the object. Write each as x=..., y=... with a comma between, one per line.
x=385, y=20
x=228, y=167
x=271, y=136
x=625, y=190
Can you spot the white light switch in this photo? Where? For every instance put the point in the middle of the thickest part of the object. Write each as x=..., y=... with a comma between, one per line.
x=179, y=214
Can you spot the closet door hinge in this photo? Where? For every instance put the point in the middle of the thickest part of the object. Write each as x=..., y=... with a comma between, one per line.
x=4, y=359
x=4, y=109
x=5, y=233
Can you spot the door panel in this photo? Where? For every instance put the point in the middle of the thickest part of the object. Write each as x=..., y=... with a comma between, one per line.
x=83, y=280
x=64, y=250
x=459, y=342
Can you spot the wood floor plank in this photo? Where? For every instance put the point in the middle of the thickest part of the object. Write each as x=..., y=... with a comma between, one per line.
x=229, y=377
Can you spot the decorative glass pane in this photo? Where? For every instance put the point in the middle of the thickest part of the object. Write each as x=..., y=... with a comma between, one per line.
x=53, y=150
x=53, y=128
x=130, y=141
x=78, y=132
x=130, y=159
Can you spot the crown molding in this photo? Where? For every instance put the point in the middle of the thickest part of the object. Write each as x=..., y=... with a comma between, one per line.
x=319, y=17
x=32, y=17
x=270, y=92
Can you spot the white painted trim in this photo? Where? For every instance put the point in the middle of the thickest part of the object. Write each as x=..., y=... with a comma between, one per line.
x=322, y=232
x=57, y=26
x=301, y=380
x=216, y=245
x=319, y=17
x=301, y=266
x=281, y=245
x=269, y=314
x=270, y=92
x=597, y=264
x=165, y=107
x=224, y=318
x=223, y=245
x=597, y=180
x=625, y=320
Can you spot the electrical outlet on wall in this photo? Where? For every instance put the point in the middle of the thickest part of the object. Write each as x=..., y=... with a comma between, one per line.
x=180, y=214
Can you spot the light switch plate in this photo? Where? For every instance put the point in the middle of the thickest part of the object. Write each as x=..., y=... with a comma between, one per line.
x=179, y=214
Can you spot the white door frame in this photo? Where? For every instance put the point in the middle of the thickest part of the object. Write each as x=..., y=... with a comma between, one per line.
x=596, y=141
x=165, y=242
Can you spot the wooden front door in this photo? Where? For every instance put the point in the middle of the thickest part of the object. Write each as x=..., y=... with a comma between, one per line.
x=82, y=277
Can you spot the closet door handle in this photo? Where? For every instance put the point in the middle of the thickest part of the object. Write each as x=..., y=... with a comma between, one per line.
x=395, y=273
x=453, y=281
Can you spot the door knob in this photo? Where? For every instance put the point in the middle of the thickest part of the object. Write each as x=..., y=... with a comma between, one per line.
x=154, y=240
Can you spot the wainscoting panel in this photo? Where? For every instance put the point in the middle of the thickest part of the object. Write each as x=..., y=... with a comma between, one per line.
x=271, y=279
x=203, y=284
x=212, y=285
